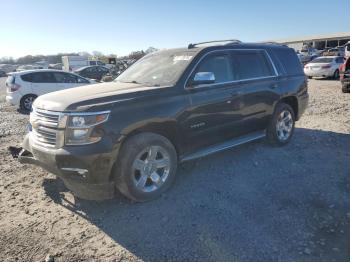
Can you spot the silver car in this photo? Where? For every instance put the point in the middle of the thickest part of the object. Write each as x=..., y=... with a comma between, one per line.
x=324, y=66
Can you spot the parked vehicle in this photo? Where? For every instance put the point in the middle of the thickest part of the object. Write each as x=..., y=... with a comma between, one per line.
x=338, y=51
x=28, y=67
x=95, y=63
x=324, y=66
x=309, y=51
x=2, y=73
x=171, y=106
x=347, y=49
x=7, y=68
x=304, y=59
x=345, y=75
x=57, y=66
x=92, y=72
x=73, y=63
x=24, y=87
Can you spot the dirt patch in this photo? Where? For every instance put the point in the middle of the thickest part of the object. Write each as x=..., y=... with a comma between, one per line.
x=252, y=203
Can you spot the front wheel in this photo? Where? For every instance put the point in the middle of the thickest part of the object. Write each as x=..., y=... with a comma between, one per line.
x=146, y=167
x=281, y=126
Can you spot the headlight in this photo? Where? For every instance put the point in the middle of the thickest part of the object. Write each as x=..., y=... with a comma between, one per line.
x=81, y=128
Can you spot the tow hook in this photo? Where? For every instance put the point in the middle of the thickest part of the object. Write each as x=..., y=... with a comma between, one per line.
x=15, y=151
x=23, y=156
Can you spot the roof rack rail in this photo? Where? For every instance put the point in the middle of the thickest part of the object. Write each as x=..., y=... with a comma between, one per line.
x=230, y=42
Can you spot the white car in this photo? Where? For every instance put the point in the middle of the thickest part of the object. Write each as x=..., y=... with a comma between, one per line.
x=324, y=66
x=347, y=49
x=23, y=87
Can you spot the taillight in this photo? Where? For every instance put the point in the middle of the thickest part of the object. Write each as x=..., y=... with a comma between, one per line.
x=14, y=87
x=326, y=66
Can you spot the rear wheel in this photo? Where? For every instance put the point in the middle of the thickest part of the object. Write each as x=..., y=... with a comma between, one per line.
x=281, y=126
x=26, y=102
x=146, y=167
x=345, y=88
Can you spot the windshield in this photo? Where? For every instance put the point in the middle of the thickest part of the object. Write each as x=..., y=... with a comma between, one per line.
x=322, y=60
x=158, y=69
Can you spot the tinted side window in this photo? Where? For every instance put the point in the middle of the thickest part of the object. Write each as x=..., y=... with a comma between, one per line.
x=251, y=64
x=89, y=70
x=27, y=77
x=65, y=78
x=102, y=69
x=43, y=77
x=219, y=65
x=289, y=60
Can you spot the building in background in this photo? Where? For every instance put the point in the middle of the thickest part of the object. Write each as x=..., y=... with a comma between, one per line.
x=319, y=42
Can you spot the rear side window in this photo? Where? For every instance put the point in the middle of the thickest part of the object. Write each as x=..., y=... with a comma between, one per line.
x=43, y=77
x=65, y=78
x=289, y=60
x=27, y=77
x=251, y=64
x=102, y=69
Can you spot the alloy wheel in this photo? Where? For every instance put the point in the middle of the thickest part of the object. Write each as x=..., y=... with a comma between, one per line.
x=284, y=125
x=151, y=169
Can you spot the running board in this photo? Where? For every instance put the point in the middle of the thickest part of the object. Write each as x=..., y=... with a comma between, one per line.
x=223, y=146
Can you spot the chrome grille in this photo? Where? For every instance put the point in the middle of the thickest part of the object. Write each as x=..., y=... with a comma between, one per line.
x=45, y=126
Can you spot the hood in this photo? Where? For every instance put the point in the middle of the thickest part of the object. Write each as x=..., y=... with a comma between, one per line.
x=84, y=96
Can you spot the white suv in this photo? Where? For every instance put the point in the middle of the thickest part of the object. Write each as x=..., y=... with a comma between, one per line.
x=23, y=87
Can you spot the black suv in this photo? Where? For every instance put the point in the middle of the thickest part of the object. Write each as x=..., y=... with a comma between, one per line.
x=92, y=72
x=171, y=106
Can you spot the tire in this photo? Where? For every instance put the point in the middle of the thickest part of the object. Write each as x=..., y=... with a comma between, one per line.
x=345, y=89
x=336, y=74
x=26, y=102
x=275, y=134
x=137, y=175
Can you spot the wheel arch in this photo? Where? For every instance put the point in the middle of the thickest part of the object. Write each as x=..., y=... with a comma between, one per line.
x=292, y=101
x=24, y=96
x=169, y=129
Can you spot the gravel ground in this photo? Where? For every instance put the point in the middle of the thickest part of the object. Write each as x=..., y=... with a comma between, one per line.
x=252, y=203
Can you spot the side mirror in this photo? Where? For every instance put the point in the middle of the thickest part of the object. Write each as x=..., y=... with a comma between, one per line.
x=201, y=78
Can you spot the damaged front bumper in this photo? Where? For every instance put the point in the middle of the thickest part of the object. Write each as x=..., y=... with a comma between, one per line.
x=85, y=170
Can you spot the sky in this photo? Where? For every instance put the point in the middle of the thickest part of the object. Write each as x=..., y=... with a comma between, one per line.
x=119, y=27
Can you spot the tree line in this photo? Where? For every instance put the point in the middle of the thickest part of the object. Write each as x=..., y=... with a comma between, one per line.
x=54, y=59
